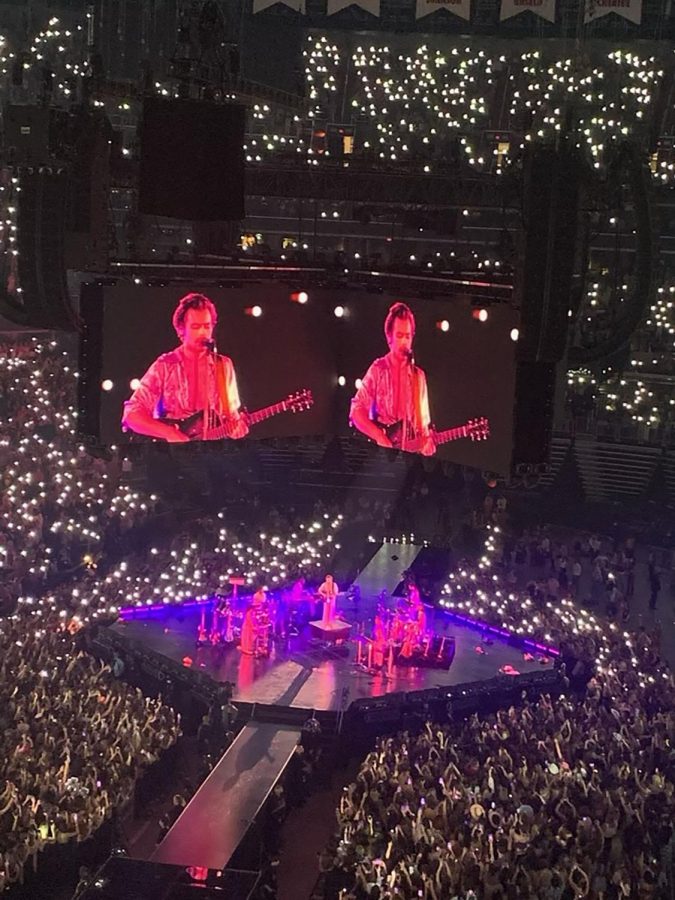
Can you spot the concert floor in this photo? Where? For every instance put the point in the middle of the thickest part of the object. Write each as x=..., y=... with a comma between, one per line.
x=303, y=674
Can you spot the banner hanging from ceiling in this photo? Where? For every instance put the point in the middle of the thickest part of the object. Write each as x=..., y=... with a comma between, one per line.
x=461, y=8
x=371, y=6
x=297, y=5
x=543, y=8
x=628, y=9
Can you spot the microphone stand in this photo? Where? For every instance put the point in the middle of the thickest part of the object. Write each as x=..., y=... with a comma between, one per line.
x=404, y=436
x=208, y=413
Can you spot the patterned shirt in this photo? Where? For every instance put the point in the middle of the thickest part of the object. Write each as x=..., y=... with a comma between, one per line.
x=387, y=394
x=166, y=390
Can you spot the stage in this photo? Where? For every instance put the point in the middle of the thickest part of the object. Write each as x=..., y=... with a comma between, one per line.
x=302, y=672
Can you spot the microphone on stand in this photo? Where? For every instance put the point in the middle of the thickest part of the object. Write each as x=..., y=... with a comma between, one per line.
x=410, y=357
x=210, y=346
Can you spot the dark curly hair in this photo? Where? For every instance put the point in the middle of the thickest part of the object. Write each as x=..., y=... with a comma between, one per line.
x=192, y=301
x=399, y=310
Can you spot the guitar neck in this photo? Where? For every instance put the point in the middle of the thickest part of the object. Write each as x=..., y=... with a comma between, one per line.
x=451, y=434
x=266, y=412
x=222, y=431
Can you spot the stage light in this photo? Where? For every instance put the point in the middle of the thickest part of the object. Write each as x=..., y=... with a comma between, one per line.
x=134, y=383
x=357, y=383
x=339, y=311
x=255, y=311
x=342, y=381
x=480, y=314
x=443, y=325
x=515, y=334
x=106, y=385
x=300, y=297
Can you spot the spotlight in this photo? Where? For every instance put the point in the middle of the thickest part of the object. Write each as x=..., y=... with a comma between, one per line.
x=342, y=381
x=255, y=311
x=135, y=383
x=480, y=314
x=300, y=297
x=443, y=325
x=339, y=311
x=106, y=385
x=515, y=334
x=357, y=383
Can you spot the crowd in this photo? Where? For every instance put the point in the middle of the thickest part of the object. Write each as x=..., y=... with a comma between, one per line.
x=459, y=104
x=73, y=740
x=554, y=799
x=576, y=596
x=58, y=500
x=635, y=400
x=548, y=801
x=533, y=803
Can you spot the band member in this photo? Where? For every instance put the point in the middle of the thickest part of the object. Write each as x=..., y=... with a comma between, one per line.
x=328, y=593
x=414, y=596
x=250, y=629
x=394, y=389
x=192, y=378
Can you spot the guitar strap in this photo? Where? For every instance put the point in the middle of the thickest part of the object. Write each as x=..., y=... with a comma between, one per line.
x=211, y=416
x=221, y=386
x=417, y=400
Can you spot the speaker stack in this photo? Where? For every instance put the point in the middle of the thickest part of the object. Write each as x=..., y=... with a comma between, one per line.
x=553, y=176
x=192, y=160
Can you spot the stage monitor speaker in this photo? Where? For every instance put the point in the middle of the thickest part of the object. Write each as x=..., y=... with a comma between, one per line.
x=192, y=160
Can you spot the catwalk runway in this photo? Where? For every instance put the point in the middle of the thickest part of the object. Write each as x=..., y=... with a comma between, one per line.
x=301, y=672
x=215, y=821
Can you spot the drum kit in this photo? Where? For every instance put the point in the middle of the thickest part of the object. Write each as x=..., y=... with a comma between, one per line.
x=401, y=638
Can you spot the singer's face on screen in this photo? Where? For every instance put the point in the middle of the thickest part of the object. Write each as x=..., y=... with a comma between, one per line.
x=400, y=338
x=197, y=329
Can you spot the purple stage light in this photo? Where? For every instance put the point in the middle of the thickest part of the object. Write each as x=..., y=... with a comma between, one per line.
x=503, y=633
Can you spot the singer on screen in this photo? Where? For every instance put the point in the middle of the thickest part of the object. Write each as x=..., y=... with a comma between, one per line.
x=191, y=384
x=391, y=406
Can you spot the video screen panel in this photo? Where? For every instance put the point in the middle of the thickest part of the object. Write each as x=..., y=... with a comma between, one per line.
x=302, y=364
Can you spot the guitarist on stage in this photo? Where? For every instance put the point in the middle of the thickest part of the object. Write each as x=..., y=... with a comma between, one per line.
x=394, y=389
x=191, y=378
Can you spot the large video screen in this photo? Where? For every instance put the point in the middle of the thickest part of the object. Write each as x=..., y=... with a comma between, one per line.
x=429, y=376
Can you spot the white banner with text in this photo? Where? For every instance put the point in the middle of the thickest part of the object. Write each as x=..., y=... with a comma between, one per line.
x=628, y=9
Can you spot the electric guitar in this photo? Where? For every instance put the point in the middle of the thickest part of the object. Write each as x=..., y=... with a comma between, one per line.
x=193, y=426
x=474, y=429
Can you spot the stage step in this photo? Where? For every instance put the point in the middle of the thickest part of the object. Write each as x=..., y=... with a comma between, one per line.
x=386, y=568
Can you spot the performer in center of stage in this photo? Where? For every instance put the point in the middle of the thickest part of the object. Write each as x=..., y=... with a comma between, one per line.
x=394, y=390
x=191, y=379
x=328, y=593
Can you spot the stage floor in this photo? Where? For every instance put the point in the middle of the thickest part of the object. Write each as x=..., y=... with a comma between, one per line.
x=300, y=673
